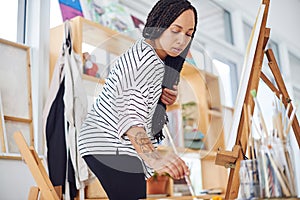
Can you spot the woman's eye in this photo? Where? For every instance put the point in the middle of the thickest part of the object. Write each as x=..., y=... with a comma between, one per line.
x=175, y=30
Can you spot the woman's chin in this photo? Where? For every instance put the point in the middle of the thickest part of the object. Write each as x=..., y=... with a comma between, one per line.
x=173, y=54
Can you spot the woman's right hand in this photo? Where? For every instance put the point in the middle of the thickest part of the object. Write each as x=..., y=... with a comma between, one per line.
x=171, y=164
x=162, y=163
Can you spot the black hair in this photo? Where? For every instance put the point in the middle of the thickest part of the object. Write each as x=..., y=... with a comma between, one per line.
x=162, y=15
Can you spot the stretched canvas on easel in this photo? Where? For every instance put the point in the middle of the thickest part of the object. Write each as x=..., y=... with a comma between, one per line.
x=246, y=72
x=15, y=87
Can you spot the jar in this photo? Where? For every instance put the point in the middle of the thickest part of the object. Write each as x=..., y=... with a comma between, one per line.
x=249, y=179
x=276, y=168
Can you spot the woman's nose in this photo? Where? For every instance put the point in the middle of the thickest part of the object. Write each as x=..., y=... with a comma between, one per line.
x=182, y=39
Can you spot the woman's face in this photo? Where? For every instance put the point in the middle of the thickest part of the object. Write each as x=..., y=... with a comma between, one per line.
x=176, y=38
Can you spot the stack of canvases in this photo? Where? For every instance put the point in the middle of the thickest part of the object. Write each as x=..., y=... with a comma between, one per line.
x=64, y=112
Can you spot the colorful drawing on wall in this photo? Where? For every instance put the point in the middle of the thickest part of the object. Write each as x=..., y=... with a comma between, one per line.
x=189, y=59
x=108, y=13
x=70, y=9
x=139, y=24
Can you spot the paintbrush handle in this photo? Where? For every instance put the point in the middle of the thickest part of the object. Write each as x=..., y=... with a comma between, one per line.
x=187, y=178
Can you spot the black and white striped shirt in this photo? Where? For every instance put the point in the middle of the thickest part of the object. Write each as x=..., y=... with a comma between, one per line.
x=128, y=98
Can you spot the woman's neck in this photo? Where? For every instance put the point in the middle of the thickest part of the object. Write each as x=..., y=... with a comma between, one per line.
x=159, y=51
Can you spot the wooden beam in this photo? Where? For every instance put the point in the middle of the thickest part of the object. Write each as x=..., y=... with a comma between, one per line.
x=36, y=168
x=269, y=84
x=281, y=86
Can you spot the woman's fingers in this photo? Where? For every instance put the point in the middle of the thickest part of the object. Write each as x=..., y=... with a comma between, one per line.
x=169, y=96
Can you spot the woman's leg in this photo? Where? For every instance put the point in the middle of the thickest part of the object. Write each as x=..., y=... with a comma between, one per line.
x=121, y=176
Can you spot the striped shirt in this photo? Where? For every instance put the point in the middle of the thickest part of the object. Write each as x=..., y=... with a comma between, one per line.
x=128, y=98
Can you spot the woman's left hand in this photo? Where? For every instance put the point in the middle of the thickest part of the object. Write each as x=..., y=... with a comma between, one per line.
x=169, y=96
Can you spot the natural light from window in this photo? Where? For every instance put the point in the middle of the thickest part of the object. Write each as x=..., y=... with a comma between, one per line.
x=9, y=19
x=224, y=74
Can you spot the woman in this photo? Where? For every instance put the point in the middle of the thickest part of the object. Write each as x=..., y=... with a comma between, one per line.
x=116, y=139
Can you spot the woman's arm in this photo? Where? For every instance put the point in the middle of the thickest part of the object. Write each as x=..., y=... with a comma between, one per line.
x=169, y=163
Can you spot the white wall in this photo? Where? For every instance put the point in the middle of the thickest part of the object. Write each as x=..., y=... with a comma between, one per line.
x=15, y=180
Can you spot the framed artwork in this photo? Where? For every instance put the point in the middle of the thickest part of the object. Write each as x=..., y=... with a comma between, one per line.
x=15, y=87
x=108, y=13
x=70, y=9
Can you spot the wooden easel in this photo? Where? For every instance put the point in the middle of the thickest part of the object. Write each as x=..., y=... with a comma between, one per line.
x=37, y=170
x=232, y=159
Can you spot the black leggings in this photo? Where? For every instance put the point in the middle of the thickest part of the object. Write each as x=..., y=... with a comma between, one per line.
x=121, y=176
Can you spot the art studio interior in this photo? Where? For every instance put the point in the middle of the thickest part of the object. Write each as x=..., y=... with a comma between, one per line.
x=64, y=95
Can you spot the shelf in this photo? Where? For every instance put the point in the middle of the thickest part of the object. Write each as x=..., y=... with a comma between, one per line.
x=203, y=154
x=93, y=79
x=215, y=113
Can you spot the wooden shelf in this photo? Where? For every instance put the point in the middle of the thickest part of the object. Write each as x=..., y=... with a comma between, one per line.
x=88, y=32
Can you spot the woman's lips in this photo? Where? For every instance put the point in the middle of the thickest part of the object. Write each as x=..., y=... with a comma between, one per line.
x=176, y=50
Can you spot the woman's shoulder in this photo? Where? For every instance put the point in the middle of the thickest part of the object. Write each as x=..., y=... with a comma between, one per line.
x=142, y=48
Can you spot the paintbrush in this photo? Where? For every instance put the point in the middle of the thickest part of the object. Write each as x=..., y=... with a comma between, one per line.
x=262, y=121
x=187, y=178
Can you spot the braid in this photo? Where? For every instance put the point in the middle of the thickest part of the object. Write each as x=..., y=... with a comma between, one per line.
x=163, y=14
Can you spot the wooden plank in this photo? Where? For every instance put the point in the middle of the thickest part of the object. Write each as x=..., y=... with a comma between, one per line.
x=17, y=119
x=269, y=84
x=36, y=168
x=33, y=193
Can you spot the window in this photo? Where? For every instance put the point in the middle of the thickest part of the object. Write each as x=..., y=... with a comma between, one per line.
x=295, y=69
x=228, y=80
x=296, y=100
x=55, y=14
x=215, y=21
x=12, y=20
x=247, y=32
x=274, y=46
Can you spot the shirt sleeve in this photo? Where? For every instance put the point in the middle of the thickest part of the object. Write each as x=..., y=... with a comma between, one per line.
x=132, y=109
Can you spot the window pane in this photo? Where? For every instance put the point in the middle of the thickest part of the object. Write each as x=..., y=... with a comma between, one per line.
x=226, y=72
x=296, y=101
x=274, y=46
x=247, y=32
x=215, y=21
x=295, y=69
x=55, y=14
x=9, y=20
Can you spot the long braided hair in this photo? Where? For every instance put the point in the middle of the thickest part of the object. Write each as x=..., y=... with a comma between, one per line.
x=162, y=15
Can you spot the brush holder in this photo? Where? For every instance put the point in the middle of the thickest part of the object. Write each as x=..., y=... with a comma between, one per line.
x=276, y=168
x=249, y=180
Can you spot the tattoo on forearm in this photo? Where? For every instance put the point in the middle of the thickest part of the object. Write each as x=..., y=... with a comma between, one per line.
x=145, y=145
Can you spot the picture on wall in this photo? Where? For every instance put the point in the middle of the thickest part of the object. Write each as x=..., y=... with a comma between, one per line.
x=108, y=13
x=70, y=9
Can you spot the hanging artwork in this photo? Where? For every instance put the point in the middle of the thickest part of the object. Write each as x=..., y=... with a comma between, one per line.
x=70, y=9
x=139, y=24
x=108, y=13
